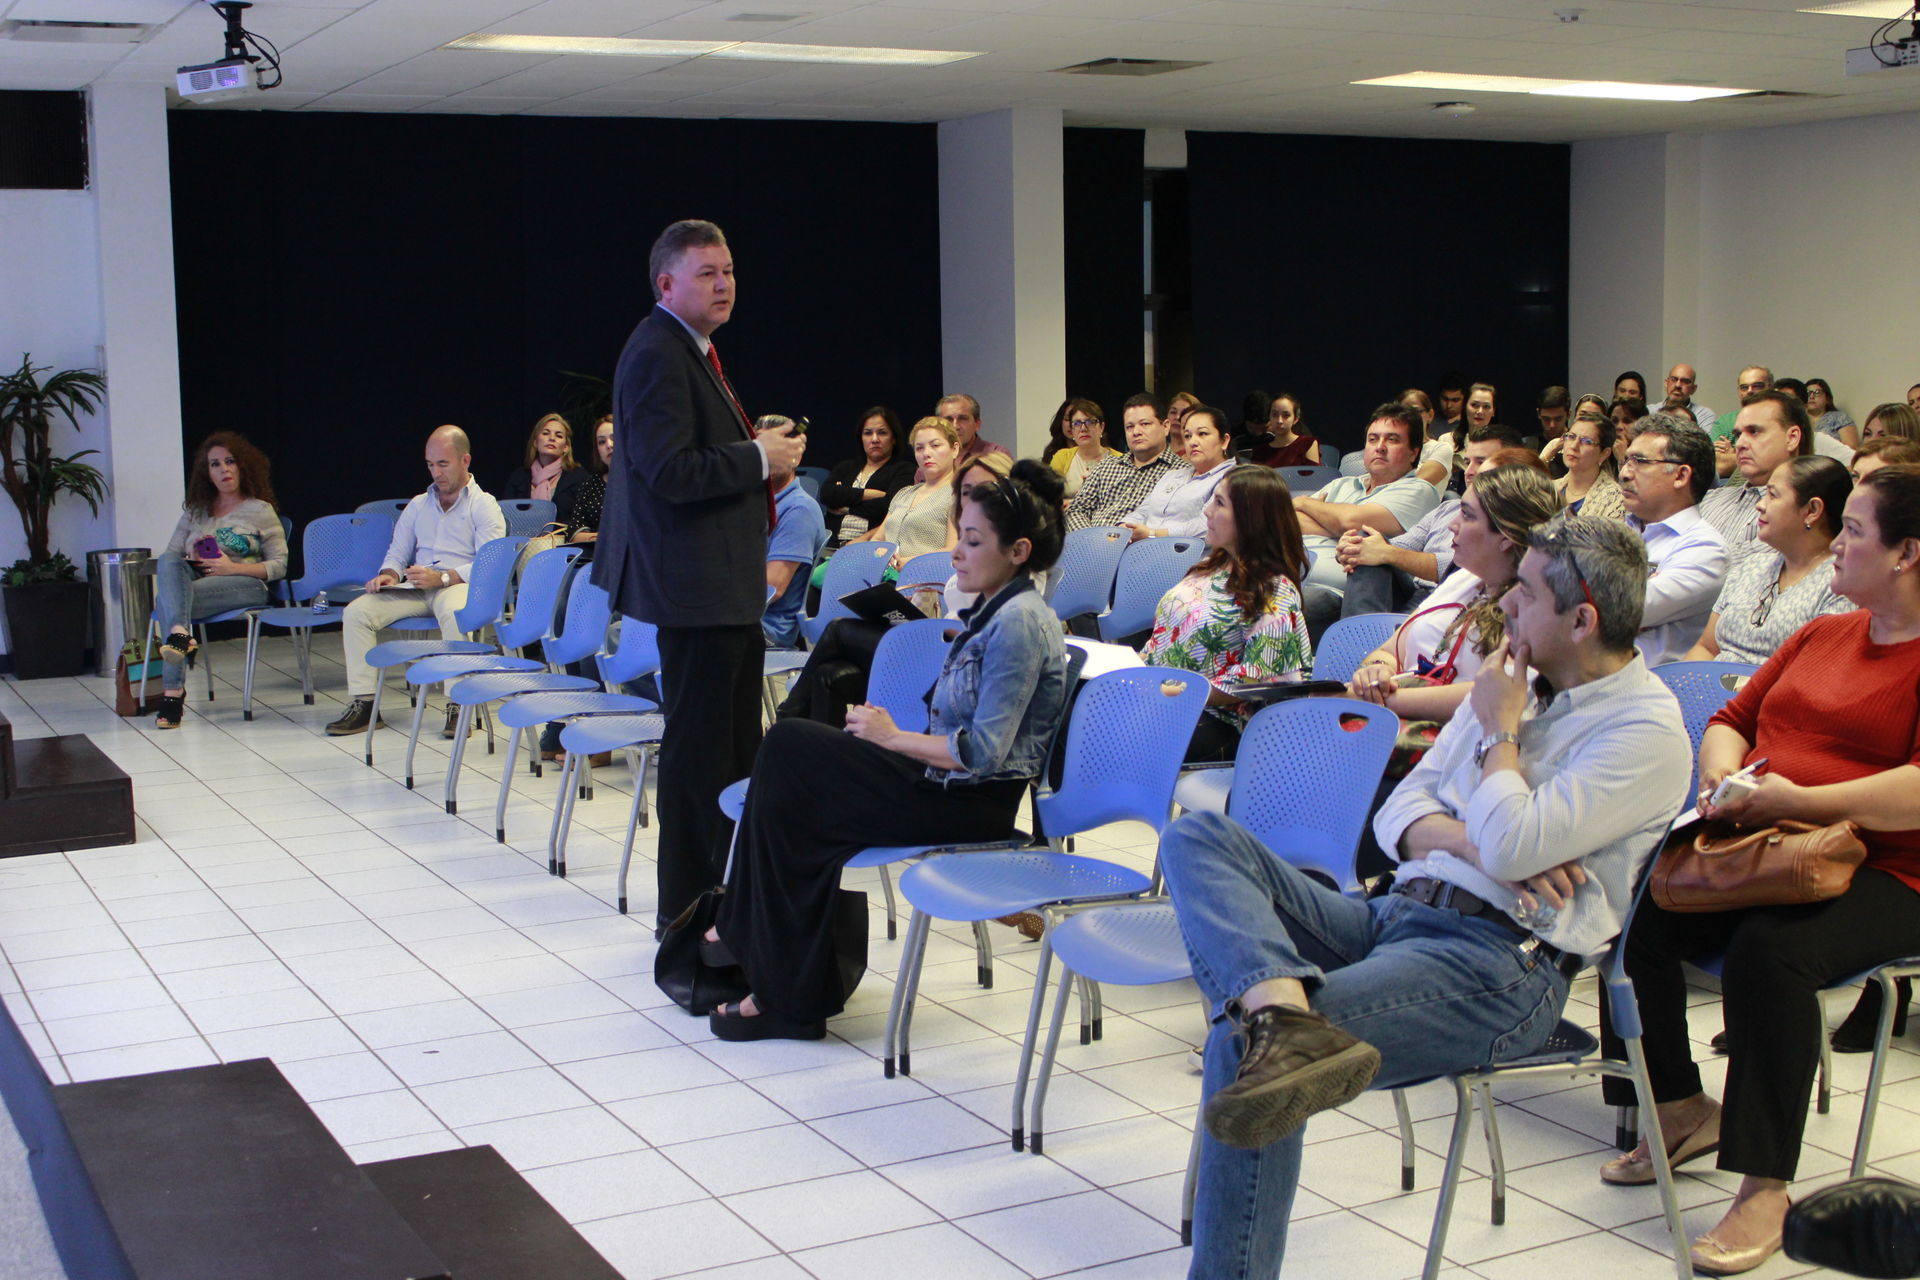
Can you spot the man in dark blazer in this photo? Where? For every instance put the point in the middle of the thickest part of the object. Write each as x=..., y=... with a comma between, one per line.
x=683, y=545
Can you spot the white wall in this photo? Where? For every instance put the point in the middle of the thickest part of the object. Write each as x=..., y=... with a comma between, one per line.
x=1714, y=250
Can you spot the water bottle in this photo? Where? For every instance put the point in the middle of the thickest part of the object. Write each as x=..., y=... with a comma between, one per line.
x=319, y=602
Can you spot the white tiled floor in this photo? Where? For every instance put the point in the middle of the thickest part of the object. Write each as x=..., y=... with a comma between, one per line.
x=424, y=987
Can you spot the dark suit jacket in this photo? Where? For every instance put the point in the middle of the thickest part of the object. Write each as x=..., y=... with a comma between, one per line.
x=566, y=489
x=683, y=538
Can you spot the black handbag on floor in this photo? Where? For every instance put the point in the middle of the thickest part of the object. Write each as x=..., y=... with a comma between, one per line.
x=697, y=987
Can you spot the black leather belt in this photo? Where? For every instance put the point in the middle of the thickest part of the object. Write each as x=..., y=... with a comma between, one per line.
x=1451, y=897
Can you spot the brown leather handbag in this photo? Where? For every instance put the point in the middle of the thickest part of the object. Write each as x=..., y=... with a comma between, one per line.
x=1720, y=867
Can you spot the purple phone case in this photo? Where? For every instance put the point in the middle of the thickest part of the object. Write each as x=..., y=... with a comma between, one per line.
x=208, y=548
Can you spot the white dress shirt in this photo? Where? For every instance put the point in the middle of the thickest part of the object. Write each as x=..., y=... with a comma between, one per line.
x=1687, y=565
x=444, y=538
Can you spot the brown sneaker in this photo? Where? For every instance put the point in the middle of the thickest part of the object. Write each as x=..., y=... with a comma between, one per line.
x=1296, y=1063
x=358, y=712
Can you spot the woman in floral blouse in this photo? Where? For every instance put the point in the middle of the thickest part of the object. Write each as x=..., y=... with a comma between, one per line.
x=1236, y=616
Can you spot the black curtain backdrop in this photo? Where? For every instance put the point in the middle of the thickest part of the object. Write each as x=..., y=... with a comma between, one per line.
x=347, y=282
x=1106, y=353
x=1327, y=266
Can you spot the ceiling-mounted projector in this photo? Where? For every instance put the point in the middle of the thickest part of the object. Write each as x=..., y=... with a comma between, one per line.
x=217, y=81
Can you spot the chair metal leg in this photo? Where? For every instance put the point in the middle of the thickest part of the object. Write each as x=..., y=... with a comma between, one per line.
x=454, y=762
x=634, y=815
x=1449, y=1179
x=1037, y=1135
x=1099, y=1009
x=506, y=788
x=586, y=769
x=1626, y=1127
x=1027, y=1042
x=1190, y=1185
x=1882, y=1038
x=562, y=817
x=1495, y=1155
x=1086, y=1012
x=373, y=715
x=983, y=954
x=413, y=737
x=1405, y=1119
x=886, y=888
x=486, y=718
x=640, y=782
x=303, y=647
x=253, y=655
x=903, y=981
x=1823, y=1079
x=1662, y=1174
x=206, y=657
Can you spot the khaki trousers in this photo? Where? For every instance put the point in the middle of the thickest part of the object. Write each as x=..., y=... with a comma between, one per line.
x=367, y=614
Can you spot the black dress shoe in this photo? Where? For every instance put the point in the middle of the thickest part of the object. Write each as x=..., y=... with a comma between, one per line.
x=1719, y=1042
x=1296, y=1063
x=1855, y=1034
x=1866, y=1227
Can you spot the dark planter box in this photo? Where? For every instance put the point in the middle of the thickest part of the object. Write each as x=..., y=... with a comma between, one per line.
x=47, y=629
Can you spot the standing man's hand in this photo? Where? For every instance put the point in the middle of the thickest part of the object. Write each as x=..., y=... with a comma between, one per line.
x=784, y=447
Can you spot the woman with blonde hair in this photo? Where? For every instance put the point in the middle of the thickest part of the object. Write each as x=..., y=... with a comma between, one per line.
x=550, y=471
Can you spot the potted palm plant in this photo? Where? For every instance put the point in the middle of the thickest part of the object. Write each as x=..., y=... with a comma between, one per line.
x=45, y=602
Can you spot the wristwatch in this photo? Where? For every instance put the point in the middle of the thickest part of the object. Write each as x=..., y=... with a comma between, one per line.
x=446, y=579
x=1491, y=741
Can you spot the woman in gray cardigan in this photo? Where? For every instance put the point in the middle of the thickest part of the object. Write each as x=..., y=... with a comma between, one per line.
x=228, y=546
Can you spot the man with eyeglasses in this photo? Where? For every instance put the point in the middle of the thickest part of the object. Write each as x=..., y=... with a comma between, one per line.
x=1667, y=470
x=1518, y=838
x=1116, y=486
x=1681, y=384
x=1771, y=428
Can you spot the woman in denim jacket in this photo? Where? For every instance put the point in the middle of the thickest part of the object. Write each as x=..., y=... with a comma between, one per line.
x=821, y=795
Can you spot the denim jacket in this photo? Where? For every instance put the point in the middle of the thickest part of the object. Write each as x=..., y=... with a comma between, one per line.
x=1003, y=688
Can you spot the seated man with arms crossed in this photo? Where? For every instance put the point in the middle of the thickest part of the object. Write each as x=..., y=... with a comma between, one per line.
x=434, y=543
x=1116, y=486
x=1519, y=837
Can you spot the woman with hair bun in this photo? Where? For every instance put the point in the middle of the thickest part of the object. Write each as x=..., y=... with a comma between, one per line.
x=820, y=795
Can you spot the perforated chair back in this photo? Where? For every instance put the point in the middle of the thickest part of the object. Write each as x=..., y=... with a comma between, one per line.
x=816, y=474
x=527, y=516
x=856, y=565
x=487, y=582
x=1329, y=457
x=1347, y=641
x=533, y=605
x=341, y=552
x=1307, y=480
x=1082, y=581
x=583, y=629
x=905, y=667
x=637, y=653
x=1148, y=569
x=809, y=486
x=1305, y=777
x=929, y=570
x=1128, y=735
x=1354, y=464
x=383, y=506
x=1702, y=688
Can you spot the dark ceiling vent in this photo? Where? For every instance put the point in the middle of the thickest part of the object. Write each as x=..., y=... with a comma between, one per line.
x=56, y=32
x=1127, y=67
x=1775, y=95
x=766, y=17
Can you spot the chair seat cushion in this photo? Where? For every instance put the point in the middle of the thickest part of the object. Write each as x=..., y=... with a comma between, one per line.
x=472, y=690
x=1203, y=790
x=611, y=733
x=985, y=886
x=1131, y=945
x=447, y=665
x=538, y=708
x=394, y=652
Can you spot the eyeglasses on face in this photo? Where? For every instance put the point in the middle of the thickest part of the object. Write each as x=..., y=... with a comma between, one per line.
x=1080, y=424
x=1588, y=441
x=1642, y=460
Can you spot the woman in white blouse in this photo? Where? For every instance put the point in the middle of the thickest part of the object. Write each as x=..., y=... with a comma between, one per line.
x=1175, y=508
x=1773, y=591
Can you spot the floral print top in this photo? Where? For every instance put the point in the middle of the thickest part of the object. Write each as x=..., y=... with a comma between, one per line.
x=1199, y=628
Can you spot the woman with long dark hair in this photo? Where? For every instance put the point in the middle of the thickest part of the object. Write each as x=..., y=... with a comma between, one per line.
x=1236, y=617
x=228, y=546
x=854, y=498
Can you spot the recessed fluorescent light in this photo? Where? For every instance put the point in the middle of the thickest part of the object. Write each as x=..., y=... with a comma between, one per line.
x=1882, y=9
x=1553, y=88
x=750, y=50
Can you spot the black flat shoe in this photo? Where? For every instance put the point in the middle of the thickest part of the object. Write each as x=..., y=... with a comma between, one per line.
x=715, y=955
x=728, y=1023
x=1855, y=1034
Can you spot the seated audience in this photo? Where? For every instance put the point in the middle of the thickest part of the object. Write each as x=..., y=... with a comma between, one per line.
x=1452, y=389
x=1393, y=575
x=962, y=413
x=1292, y=446
x=1625, y=413
x=592, y=497
x=1913, y=397
x=994, y=710
x=1771, y=592
x=1793, y=387
x=1591, y=486
x=1771, y=428
x=793, y=543
x=1173, y=509
x=1828, y=417
x=1884, y=452
x=1667, y=470
x=1177, y=406
x=1235, y=617
x=1631, y=385
x=1902, y=422
x=1482, y=410
x=1057, y=437
x=1389, y=498
x=1682, y=381
x=918, y=518
x=1551, y=413
x=1437, y=445
x=854, y=498
x=550, y=471
x=434, y=544
x=228, y=545
x=1860, y=670
x=1518, y=838
x=1086, y=427
x=1426, y=668
x=1120, y=484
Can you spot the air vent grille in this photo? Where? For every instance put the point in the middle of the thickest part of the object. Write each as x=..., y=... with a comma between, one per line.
x=1127, y=67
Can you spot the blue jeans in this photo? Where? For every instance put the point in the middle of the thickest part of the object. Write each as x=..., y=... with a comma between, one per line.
x=1434, y=991
x=180, y=597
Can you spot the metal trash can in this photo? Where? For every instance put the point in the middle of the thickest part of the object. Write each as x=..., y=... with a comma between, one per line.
x=119, y=600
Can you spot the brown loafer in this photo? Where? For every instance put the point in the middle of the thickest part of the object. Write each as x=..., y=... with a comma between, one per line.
x=1296, y=1063
x=1635, y=1169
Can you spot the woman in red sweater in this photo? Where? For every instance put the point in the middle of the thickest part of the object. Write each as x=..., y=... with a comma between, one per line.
x=1836, y=713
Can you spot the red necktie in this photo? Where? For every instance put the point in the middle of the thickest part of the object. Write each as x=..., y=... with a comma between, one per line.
x=713, y=358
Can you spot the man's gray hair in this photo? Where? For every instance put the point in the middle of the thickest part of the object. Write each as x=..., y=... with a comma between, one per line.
x=1598, y=559
x=973, y=406
x=1687, y=443
x=689, y=233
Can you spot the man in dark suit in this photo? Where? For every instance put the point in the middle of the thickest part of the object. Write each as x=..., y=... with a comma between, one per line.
x=683, y=544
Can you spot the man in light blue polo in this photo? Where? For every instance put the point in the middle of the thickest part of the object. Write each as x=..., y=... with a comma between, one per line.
x=1390, y=498
x=799, y=531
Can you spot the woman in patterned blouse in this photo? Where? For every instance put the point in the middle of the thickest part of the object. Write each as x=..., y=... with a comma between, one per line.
x=1236, y=616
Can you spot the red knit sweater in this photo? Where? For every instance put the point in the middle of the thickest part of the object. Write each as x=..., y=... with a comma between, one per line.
x=1831, y=706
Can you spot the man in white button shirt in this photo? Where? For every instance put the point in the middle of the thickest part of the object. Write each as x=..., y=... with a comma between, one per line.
x=434, y=543
x=1667, y=470
x=1518, y=837
x=1770, y=428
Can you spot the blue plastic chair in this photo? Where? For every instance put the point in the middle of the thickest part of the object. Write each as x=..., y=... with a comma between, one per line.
x=383, y=506
x=489, y=582
x=1304, y=481
x=931, y=569
x=1702, y=688
x=585, y=736
x=809, y=486
x=1128, y=732
x=819, y=475
x=1348, y=641
x=527, y=517
x=339, y=553
x=1082, y=580
x=1354, y=464
x=1330, y=457
x=854, y=566
x=200, y=625
x=1148, y=569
